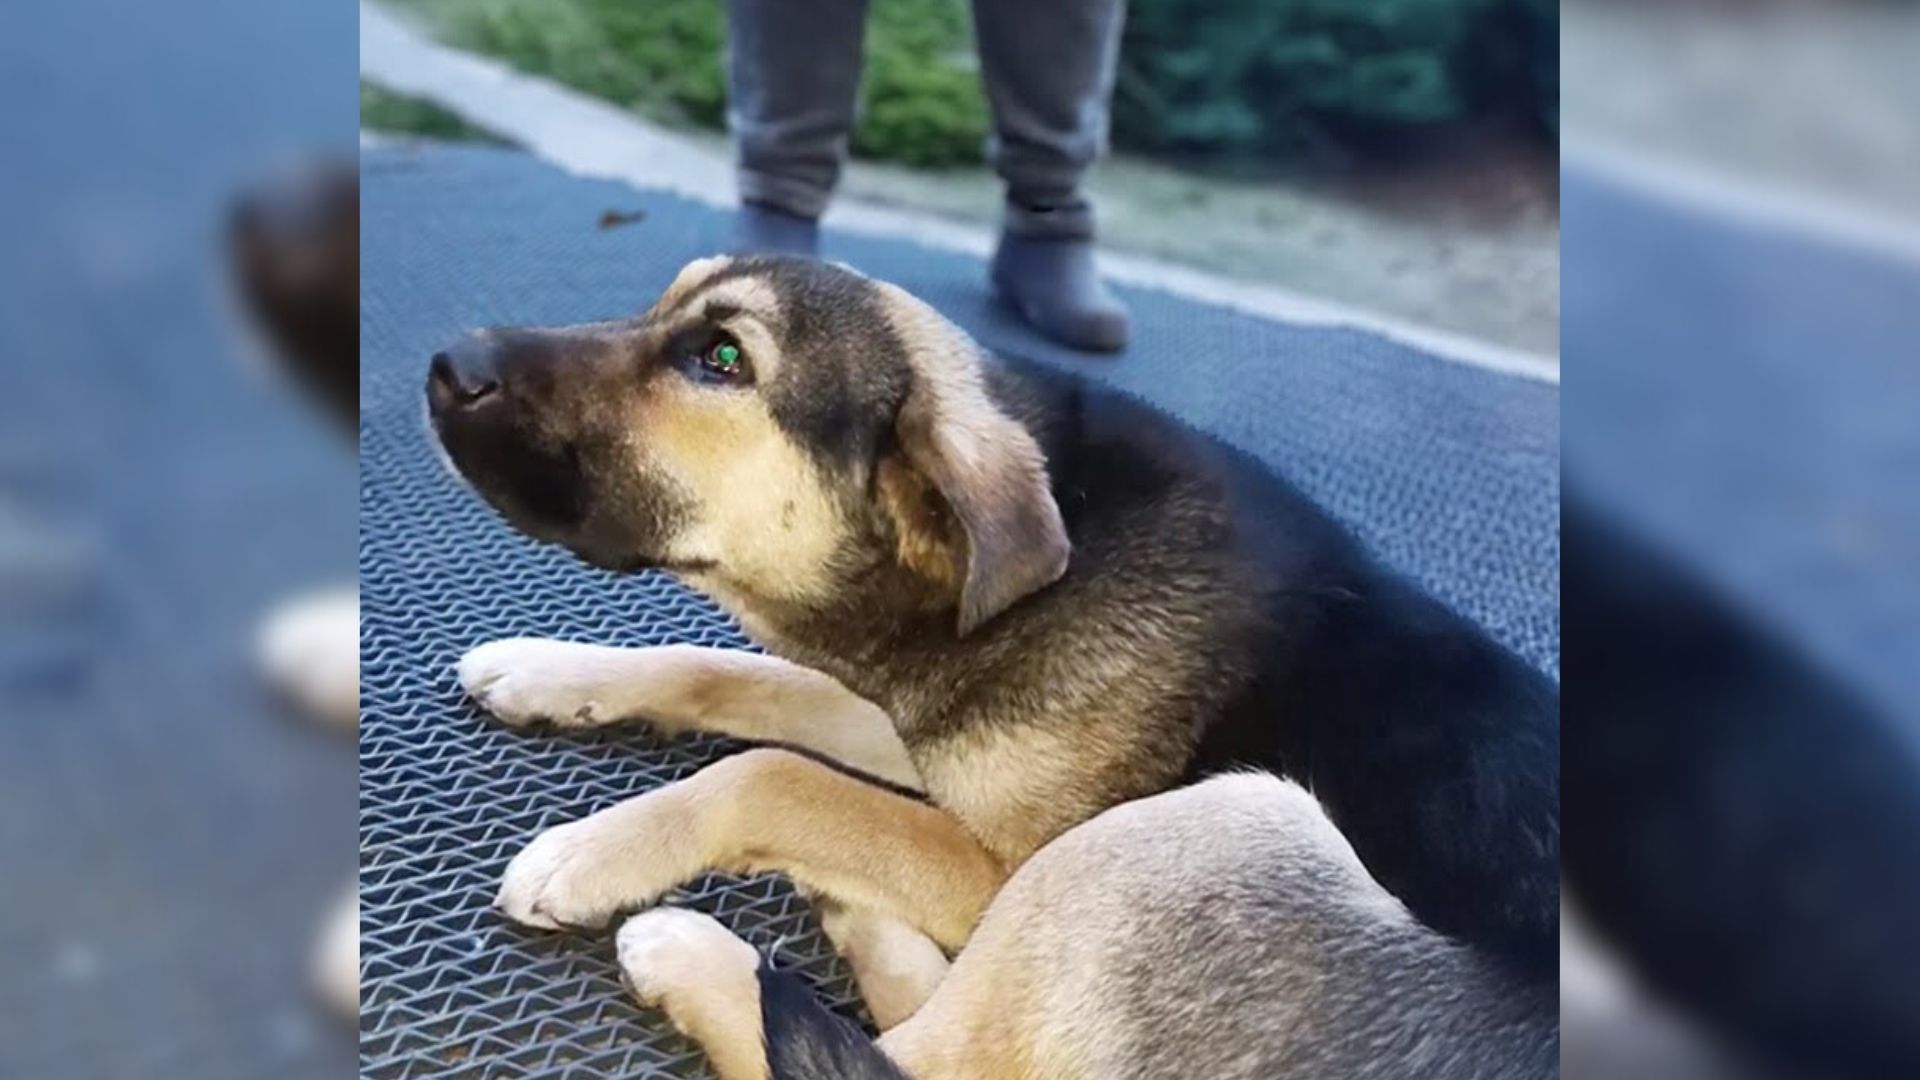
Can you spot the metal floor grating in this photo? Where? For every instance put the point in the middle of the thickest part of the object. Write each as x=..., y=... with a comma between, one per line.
x=1451, y=472
x=447, y=797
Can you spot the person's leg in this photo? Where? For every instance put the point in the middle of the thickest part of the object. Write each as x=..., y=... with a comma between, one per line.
x=793, y=74
x=1048, y=70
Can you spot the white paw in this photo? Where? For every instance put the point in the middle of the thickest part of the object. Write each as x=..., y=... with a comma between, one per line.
x=336, y=966
x=309, y=650
x=559, y=880
x=533, y=680
x=580, y=874
x=669, y=953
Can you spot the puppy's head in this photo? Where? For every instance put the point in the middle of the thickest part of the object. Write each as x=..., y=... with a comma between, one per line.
x=293, y=244
x=786, y=428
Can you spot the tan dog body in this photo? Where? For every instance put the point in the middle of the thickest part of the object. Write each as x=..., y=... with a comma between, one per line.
x=1046, y=609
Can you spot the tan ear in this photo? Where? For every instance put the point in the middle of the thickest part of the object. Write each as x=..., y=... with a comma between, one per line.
x=991, y=473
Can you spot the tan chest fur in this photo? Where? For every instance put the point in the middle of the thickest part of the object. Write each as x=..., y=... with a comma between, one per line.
x=1017, y=787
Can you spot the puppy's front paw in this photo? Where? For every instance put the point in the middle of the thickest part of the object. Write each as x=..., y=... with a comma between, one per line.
x=562, y=879
x=309, y=650
x=669, y=956
x=337, y=962
x=532, y=680
x=580, y=874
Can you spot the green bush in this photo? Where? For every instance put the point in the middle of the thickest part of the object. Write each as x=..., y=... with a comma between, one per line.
x=660, y=57
x=920, y=100
x=1252, y=78
x=1263, y=76
x=1542, y=58
x=384, y=110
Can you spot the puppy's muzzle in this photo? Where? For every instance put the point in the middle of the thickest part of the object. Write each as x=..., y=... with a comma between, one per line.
x=498, y=403
x=463, y=377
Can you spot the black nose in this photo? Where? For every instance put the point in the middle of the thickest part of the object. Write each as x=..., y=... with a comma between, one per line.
x=463, y=376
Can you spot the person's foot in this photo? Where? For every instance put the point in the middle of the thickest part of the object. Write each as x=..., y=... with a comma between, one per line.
x=763, y=230
x=1052, y=284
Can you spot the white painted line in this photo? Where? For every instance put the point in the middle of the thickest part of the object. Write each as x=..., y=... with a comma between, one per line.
x=581, y=134
x=588, y=137
x=1742, y=199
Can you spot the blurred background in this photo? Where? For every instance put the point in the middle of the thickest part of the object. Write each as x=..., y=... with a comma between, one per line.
x=171, y=833
x=1741, y=753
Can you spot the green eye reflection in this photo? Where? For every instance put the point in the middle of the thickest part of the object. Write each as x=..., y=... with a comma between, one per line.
x=721, y=362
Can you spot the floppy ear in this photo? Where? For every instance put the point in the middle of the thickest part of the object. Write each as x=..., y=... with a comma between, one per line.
x=991, y=473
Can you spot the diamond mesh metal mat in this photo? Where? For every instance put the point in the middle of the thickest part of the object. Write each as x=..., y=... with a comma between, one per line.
x=1449, y=471
x=446, y=798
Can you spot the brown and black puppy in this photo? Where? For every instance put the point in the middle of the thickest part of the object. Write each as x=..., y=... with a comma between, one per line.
x=293, y=253
x=294, y=248
x=1031, y=598
x=1224, y=929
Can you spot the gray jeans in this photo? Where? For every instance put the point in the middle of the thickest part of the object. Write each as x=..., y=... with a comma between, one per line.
x=794, y=78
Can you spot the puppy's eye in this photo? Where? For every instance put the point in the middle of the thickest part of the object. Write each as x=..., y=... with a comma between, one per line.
x=722, y=361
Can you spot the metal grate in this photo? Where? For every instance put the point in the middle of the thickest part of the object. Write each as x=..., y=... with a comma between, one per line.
x=1450, y=471
x=447, y=797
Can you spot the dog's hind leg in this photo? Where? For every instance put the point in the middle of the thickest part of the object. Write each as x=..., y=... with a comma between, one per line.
x=896, y=967
x=766, y=810
x=1175, y=936
x=755, y=1023
x=704, y=978
x=685, y=688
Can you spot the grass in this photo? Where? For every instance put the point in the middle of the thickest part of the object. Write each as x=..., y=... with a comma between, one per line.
x=1471, y=249
x=386, y=111
x=920, y=98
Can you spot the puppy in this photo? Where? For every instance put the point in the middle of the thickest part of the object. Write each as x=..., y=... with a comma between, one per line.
x=1027, y=597
x=293, y=245
x=1224, y=930
x=293, y=249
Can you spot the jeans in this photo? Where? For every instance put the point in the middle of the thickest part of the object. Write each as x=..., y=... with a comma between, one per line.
x=794, y=77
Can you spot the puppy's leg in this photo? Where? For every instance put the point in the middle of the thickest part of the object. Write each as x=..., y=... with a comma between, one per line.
x=337, y=962
x=755, y=1023
x=309, y=649
x=896, y=967
x=706, y=981
x=682, y=688
x=764, y=810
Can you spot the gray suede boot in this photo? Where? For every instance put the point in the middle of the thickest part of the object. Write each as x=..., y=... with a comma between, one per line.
x=763, y=230
x=1051, y=282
